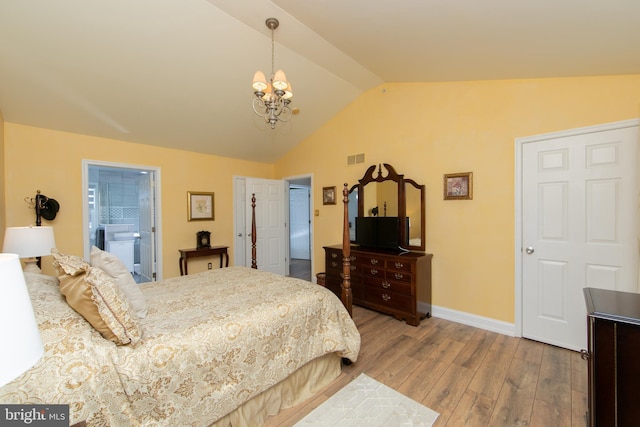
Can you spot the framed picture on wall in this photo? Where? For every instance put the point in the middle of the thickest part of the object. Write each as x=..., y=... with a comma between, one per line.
x=328, y=195
x=200, y=206
x=458, y=186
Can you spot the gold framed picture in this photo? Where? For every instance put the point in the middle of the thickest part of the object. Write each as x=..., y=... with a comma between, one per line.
x=458, y=186
x=200, y=206
x=329, y=195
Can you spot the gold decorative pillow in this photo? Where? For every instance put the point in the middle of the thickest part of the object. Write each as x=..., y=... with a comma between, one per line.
x=69, y=264
x=113, y=307
x=98, y=298
x=78, y=294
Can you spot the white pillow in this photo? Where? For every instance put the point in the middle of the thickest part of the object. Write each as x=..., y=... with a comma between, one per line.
x=112, y=265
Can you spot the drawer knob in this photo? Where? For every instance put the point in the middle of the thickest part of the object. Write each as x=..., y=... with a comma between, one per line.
x=399, y=265
x=374, y=261
x=353, y=267
x=334, y=255
x=334, y=264
x=386, y=297
x=374, y=271
x=399, y=276
x=352, y=258
x=386, y=284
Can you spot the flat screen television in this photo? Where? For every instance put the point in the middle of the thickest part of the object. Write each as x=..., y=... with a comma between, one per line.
x=379, y=232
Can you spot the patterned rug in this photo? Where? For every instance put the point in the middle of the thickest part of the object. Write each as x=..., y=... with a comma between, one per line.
x=366, y=402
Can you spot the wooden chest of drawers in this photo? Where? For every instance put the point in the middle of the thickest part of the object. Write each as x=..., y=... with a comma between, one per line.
x=388, y=282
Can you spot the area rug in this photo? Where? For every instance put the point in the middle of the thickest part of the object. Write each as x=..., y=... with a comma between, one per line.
x=366, y=402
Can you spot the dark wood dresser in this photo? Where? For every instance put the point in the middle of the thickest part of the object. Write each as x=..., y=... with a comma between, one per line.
x=388, y=282
x=614, y=366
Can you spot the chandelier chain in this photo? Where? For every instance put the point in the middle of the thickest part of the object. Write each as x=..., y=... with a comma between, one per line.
x=273, y=49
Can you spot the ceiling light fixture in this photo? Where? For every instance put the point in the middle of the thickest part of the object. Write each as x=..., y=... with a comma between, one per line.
x=272, y=99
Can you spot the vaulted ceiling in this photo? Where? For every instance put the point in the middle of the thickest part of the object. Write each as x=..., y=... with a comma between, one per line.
x=177, y=73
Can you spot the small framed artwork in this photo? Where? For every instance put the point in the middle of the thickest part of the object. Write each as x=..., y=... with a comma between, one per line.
x=328, y=195
x=199, y=206
x=458, y=186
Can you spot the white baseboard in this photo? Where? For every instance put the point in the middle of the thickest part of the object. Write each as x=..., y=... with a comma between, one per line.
x=469, y=319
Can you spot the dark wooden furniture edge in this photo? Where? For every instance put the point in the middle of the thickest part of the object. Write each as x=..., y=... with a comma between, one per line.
x=347, y=296
x=185, y=254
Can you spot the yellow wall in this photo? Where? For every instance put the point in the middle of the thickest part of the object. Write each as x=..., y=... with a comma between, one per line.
x=51, y=161
x=426, y=130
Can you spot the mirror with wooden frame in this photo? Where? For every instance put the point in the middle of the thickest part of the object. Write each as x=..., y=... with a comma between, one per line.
x=391, y=195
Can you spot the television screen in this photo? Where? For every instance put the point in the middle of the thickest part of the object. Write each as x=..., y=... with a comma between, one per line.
x=378, y=232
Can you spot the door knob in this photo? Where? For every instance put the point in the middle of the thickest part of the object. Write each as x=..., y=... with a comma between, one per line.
x=530, y=250
x=239, y=234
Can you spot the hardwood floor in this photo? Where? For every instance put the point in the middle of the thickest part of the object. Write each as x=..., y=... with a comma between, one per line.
x=471, y=376
x=300, y=268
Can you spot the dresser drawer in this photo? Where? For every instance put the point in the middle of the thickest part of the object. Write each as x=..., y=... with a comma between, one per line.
x=368, y=271
x=370, y=260
x=389, y=300
x=400, y=276
x=381, y=284
x=398, y=265
x=334, y=254
x=333, y=266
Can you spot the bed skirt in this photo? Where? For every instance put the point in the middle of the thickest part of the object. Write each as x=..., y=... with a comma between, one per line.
x=293, y=390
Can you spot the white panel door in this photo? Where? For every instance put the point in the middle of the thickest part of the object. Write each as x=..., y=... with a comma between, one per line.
x=579, y=197
x=240, y=222
x=271, y=227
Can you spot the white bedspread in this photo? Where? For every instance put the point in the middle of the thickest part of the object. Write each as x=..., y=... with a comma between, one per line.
x=210, y=342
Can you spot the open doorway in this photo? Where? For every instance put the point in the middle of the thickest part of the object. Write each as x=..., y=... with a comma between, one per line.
x=121, y=214
x=300, y=238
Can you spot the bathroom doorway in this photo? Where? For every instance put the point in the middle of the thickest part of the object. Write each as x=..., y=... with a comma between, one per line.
x=121, y=215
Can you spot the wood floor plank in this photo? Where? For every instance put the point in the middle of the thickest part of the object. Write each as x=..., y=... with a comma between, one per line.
x=448, y=390
x=579, y=368
x=545, y=415
x=424, y=378
x=490, y=375
x=579, y=409
x=506, y=344
x=515, y=401
x=529, y=350
x=473, y=410
x=471, y=376
x=554, y=383
x=475, y=349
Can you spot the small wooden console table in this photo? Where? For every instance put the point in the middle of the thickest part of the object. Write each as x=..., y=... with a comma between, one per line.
x=185, y=254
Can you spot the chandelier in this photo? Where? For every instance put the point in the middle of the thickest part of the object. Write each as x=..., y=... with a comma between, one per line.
x=273, y=98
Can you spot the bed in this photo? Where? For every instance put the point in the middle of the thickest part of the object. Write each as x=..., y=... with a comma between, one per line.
x=226, y=347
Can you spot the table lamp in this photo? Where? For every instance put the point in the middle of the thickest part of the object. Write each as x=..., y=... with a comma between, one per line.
x=19, y=335
x=29, y=242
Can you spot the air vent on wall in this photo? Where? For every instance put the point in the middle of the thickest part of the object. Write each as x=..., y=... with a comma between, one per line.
x=355, y=159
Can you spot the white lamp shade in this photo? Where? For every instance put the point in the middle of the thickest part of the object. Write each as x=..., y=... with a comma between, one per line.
x=21, y=342
x=259, y=82
x=29, y=242
x=280, y=80
x=288, y=92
